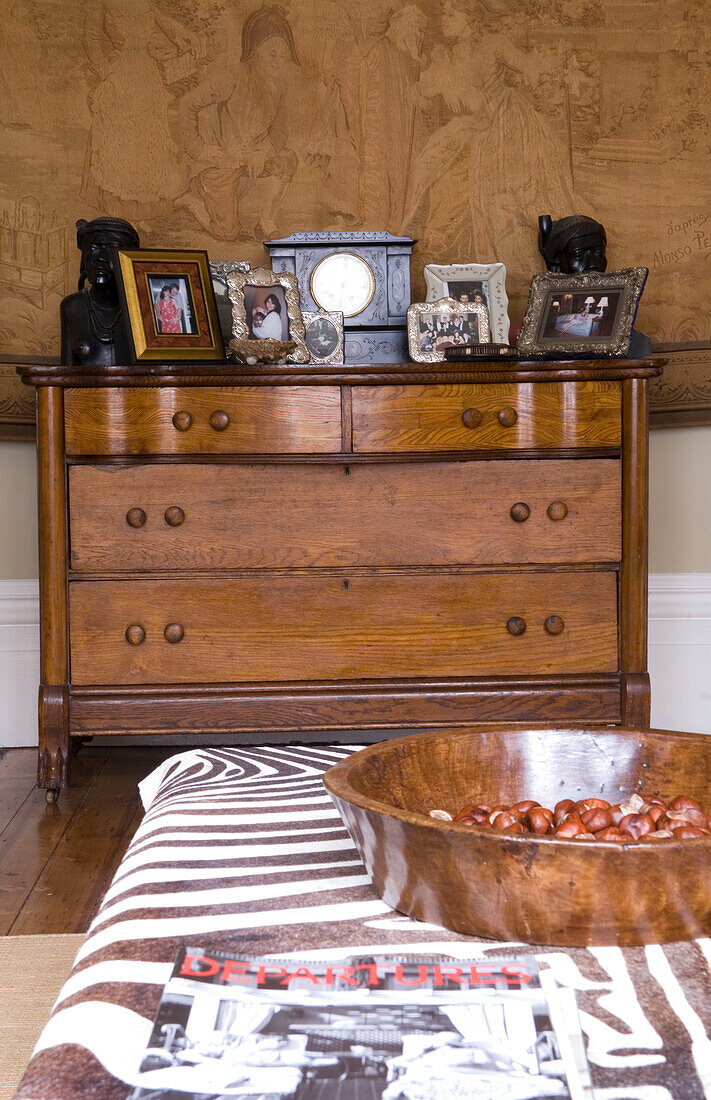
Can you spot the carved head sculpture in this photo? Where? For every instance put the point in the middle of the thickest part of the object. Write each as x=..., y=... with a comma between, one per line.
x=572, y=245
x=97, y=239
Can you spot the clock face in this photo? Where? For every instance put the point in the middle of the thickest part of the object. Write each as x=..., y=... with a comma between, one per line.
x=343, y=282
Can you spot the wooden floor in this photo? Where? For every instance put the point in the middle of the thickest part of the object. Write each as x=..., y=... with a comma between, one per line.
x=57, y=860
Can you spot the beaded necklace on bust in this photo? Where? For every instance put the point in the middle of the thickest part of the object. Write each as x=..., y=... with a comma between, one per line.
x=103, y=332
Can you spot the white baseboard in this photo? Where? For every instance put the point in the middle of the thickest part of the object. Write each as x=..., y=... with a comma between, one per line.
x=679, y=655
x=19, y=662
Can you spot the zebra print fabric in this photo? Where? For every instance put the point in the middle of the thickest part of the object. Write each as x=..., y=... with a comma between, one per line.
x=242, y=850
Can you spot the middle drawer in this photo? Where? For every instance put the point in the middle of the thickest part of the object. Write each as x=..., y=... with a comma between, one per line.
x=166, y=517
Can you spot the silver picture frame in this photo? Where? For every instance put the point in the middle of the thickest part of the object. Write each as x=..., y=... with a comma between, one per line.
x=447, y=280
x=421, y=331
x=239, y=281
x=589, y=314
x=324, y=336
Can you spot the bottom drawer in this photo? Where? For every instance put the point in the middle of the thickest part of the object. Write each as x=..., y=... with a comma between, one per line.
x=328, y=627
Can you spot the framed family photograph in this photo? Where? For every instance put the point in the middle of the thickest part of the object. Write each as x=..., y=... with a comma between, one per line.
x=169, y=304
x=324, y=336
x=219, y=270
x=446, y=323
x=477, y=284
x=265, y=306
x=589, y=314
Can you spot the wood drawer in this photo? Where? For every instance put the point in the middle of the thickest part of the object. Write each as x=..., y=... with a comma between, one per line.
x=277, y=628
x=205, y=420
x=382, y=514
x=507, y=416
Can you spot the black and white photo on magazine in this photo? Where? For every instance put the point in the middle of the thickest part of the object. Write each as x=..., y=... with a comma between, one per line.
x=370, y=1028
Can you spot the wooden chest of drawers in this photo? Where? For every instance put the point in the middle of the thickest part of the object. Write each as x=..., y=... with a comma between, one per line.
x=338, y=548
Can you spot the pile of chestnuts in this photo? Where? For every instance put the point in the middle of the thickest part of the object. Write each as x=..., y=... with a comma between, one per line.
x=643, y=817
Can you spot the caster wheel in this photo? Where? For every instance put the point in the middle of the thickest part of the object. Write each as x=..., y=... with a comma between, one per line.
x=51, y=795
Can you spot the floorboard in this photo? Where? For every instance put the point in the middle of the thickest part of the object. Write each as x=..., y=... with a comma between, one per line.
x=75, y=878
x=56, y=860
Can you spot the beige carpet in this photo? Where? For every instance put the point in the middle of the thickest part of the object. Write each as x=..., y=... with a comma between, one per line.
x=32, y=971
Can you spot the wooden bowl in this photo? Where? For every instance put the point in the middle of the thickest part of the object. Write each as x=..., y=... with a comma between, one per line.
x=520, y=887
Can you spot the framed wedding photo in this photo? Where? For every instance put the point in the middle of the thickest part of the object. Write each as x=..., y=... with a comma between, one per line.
x=446, y=323
x=476, y=283
x=169, y=305
x=324, y=336
x=265, y=306
x=589, y=314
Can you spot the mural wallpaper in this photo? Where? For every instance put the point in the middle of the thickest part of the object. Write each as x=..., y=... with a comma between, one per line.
x=220, y=123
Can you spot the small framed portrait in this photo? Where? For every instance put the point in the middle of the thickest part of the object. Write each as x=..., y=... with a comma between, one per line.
x=473, y=284
x=169, y=304
x=324, y=336
x=589, y=314
x=219, y=270
x=265, y=306
x=446, y=323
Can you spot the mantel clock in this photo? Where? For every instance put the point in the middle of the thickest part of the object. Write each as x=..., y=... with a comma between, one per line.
x=364, y=274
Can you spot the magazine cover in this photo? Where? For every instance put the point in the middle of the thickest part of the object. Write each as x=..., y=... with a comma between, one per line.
x=362, y=1029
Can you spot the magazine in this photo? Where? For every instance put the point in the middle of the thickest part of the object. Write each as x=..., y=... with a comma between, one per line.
x=406, y=1028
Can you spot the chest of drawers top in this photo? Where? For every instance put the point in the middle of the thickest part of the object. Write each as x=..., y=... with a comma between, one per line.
x=394, y=409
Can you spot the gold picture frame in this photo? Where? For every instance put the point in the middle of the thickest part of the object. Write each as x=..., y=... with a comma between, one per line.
x=590, y=314
x=166, y=324
x=254, y=317
x=432, y=326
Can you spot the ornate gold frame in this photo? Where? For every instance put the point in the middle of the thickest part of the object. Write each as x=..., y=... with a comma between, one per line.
x=140, y=316
x=261, y=276
x=442, y=305
x=630, y=280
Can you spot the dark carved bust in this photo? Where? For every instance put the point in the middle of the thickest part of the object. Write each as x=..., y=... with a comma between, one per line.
x=575, y=245
x=93, y=329
x=572, y=245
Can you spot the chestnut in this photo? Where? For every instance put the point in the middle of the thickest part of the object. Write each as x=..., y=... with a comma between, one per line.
x=466, y=811
x=514, y=827
x=617, y=813
x=483, y=807
x=689, y=816
x=539, y=820
x=569, y=828
x=613, y=834
x=523, y=807
x=502, y=819
x=596, y=818
x=683, y=802
x=636, y=825
x=652, y=799
x=688, y=832
x=441, y=815
x=655, y=811
x=561, y=809
x=592, y=804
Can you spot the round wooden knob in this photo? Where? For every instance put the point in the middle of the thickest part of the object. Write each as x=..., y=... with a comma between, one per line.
x=520, y=512
x=554, y=624
x=516, y=625
x=471, y=418
x=174, y=633
x=508, y=417
x=219, y=420
x=174, y=516
x=182, y=421
x=135, y=517
x=558, y=509
x=135, y=634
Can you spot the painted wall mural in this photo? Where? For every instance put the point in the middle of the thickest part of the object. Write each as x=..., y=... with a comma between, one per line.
x=220, y=124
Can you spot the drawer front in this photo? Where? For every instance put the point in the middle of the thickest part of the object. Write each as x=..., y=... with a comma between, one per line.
x=507, y=416
x=209, y=420
x=257, y=516
x=287, y=628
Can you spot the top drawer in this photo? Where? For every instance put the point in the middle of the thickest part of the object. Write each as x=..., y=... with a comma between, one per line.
x=203, y=420
x=505, y=416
